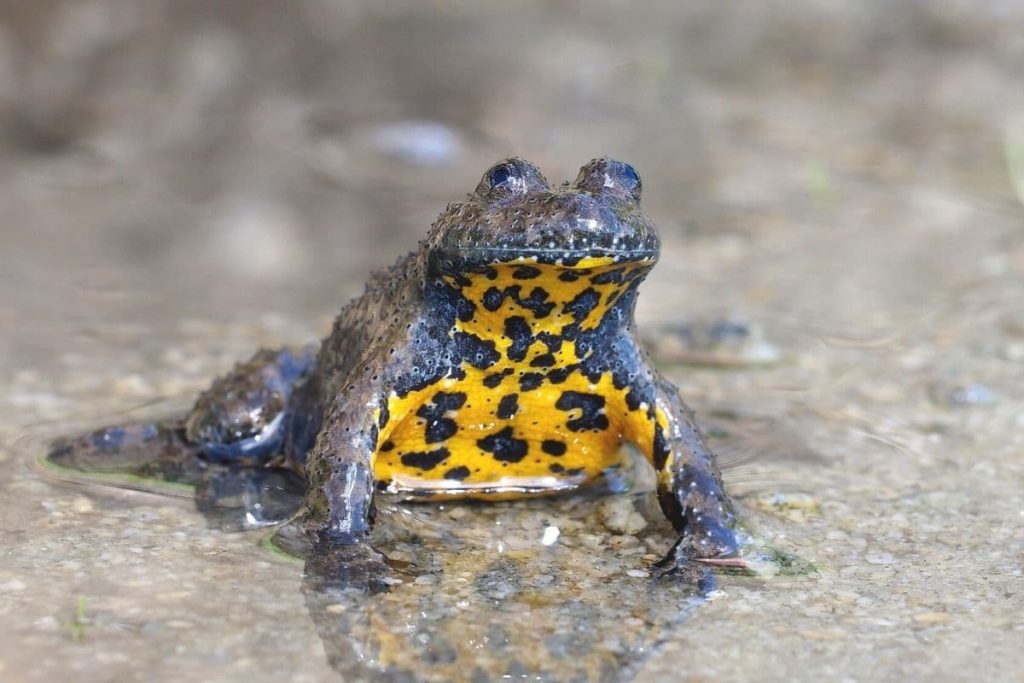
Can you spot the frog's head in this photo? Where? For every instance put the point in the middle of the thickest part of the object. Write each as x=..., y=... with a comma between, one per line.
x=515, y=216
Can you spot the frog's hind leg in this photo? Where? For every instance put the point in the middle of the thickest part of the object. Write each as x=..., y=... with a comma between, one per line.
x=245, y=417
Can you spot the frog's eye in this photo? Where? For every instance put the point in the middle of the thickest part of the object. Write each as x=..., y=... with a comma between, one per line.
x=608, y=176
x=509, y=179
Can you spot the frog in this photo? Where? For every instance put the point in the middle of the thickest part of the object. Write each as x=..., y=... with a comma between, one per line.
x=498, y=360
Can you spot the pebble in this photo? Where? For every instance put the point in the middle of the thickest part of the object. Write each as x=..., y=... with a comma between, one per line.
x=619, y=514
x=879, y=558
x=960, y=395
x=932, y=618
x=13, y=586
x=417, y=142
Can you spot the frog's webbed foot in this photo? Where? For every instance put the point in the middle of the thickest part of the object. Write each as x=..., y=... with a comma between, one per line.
x=706, y=541
x=355, y=566
x=149, y=450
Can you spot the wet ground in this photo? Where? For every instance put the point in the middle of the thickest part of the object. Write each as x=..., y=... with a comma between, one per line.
x=178, y=188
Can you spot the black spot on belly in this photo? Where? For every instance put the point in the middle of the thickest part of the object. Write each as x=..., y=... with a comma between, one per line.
x=553, y=447
x=632, y=400
x=503, y=446
x=508, y=406
x=552, y=341
x=492, y=299
x=556, y=468
x=425, y=460
x=583, y=304
x=530, y=381
x=388, y=445
x=458, y=473
x=568, y=276
x=518, y=330
x=494, y=379
x=441, y=428
x=475, y=351
x=465, y=309
x=545, y=360
x=590, y=406
x=608, y=277
x=559, y=375
x=525, y=273
x=537, y=302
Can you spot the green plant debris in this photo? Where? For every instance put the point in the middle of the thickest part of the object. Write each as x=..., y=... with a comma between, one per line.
x=80, y=621
x=124, y=480
x=819, y=183
x=269, y=544
x=1013, y=150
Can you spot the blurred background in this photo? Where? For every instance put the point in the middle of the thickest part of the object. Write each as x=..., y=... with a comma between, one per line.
x=182, y=181
x=235, y=158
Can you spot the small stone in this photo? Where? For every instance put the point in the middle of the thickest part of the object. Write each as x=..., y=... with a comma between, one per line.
x=637, y=573
x=133, y=385
x=932, y=618
x=417, y=142
x=879, y=558
x=962, y=395
x=618, y=514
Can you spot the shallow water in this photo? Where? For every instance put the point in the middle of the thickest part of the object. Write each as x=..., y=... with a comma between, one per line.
x=531, y=589
x=846, y=178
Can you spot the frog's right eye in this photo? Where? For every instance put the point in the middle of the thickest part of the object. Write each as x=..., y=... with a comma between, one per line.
x=510, y=179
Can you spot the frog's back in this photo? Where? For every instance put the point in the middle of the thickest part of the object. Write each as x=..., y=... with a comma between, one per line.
x=376, y=319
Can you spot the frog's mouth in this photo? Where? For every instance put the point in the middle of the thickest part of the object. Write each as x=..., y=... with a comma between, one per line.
x=478, y=258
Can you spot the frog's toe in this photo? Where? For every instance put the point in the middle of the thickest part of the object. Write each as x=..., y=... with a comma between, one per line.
x=712, y=539
x=706, y=541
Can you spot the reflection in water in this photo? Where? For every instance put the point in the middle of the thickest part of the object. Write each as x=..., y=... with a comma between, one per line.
x=539, y=589
x=477, y=595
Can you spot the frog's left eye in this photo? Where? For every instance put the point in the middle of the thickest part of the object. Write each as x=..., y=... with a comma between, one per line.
x=509, y=179
x=608, y=176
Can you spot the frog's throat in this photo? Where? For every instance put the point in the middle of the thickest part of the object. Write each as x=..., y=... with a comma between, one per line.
x=511, y=301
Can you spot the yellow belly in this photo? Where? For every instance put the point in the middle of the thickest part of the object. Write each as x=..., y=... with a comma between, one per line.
x=505, y=440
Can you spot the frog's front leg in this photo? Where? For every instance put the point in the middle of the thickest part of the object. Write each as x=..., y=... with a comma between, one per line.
x=689, y=484
x=338, y=508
